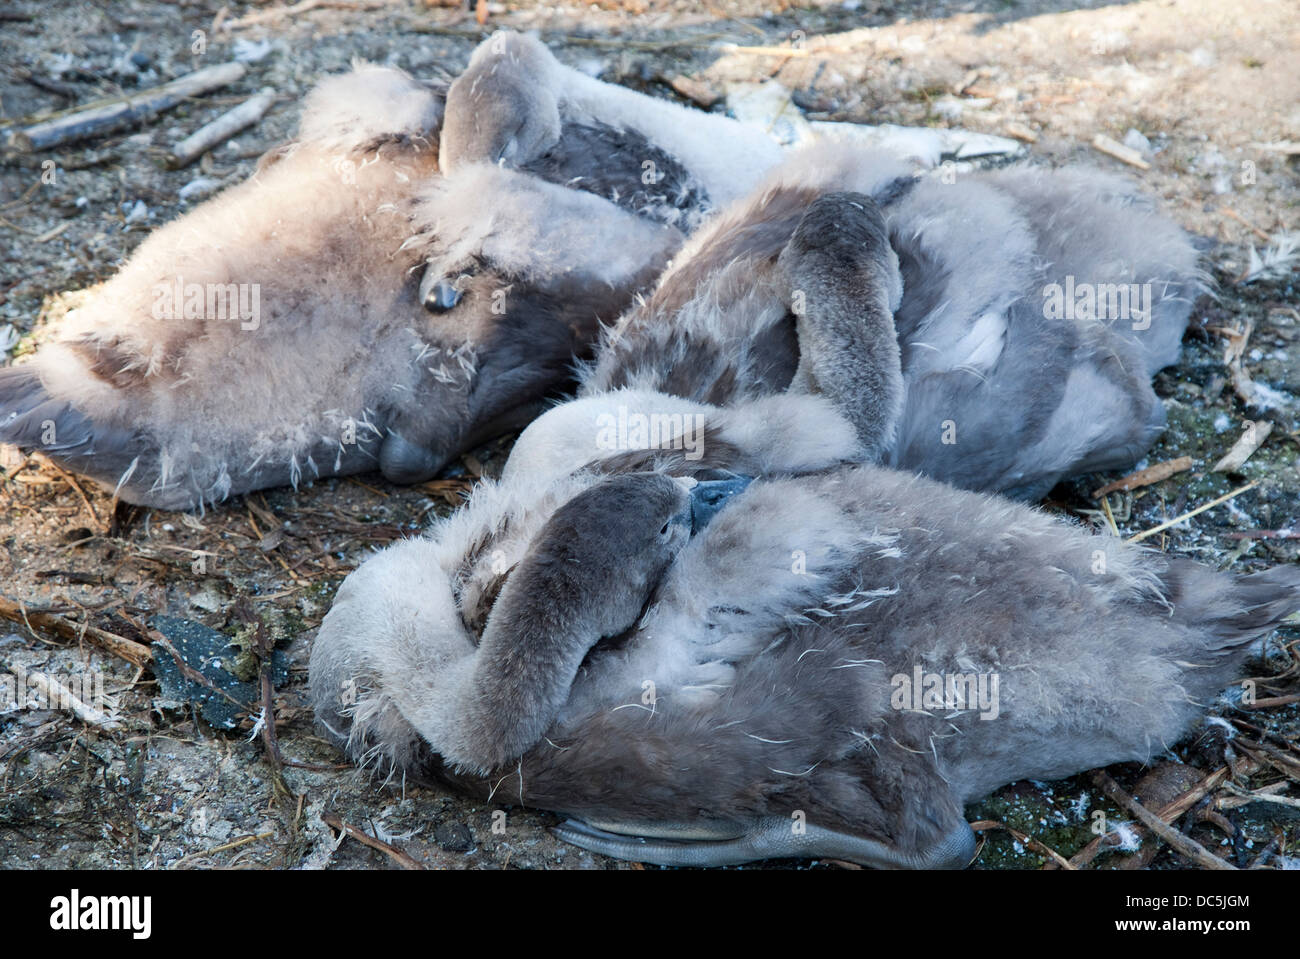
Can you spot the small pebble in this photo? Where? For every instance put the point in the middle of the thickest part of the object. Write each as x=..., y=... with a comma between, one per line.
x=1134, y=140
x=453, y=837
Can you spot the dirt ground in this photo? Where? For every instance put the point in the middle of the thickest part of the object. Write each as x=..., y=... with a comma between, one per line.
x=1212, y=86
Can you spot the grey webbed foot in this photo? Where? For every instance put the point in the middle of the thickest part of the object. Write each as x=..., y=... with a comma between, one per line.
x=728, y=844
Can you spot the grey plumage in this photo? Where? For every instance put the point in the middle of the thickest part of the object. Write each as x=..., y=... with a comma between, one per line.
x=517, y=105
x=175, y=404
x=844, y=283
x=188, y=410
x=771, y=642
x=772, y=649
x=998, y=393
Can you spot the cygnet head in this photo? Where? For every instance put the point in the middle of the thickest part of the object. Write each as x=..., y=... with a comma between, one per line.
x=588, y=576
x=506, y=108
x=606, y=549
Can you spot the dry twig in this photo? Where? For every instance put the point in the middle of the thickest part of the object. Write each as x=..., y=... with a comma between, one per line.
x=127, y=649
x=1140, y=478
x=1167, y=813
x=334, y=821
x=101, y=116
x=1184, y=846
x=1040, y=847
x=1119, y=151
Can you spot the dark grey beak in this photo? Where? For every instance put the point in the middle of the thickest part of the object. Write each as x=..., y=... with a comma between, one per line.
x=709, y=496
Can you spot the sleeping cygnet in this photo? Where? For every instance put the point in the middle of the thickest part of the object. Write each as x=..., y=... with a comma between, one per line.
x=705, y=671
x=928, y=312
x=344, y=309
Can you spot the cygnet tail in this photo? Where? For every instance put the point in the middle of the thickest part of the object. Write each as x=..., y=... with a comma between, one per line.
x=1232, y=615
x=35, y=421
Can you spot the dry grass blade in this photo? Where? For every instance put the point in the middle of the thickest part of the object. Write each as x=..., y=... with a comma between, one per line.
x=76, y=488
x=1190, y=513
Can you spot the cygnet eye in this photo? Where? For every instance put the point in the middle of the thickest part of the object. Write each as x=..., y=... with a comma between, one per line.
x=663, y=530
x=440, y=293
x=441, y=297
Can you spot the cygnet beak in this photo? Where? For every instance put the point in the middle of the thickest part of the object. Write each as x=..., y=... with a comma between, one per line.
x=709, y=496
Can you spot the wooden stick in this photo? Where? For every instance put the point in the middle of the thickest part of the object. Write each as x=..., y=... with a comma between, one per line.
x=1261, y=796
x=1168, y=813
x=101, y=116
x=1272, y=702
x=128, y=649
x=1190, y=513
x=1187, y=800
x=1176, y=840
x=1229, y=211
x=1041, y=847
x=275, y=14
x=1266, y=534
x=1232, y=802
x=1251, y=439
x=793, y=52
x=402, y=859
x=1119, y=151
x=221, y=129
x=233, y=844
x=47, y=84
x=1289, y=147
x=50, y=234
x=61, y=697
x=1263, y=753
x=1140, y=478
x=303, y=7
x=1021, y=132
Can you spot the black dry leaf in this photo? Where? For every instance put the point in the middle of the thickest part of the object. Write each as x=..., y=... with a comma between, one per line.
x=194, y=664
